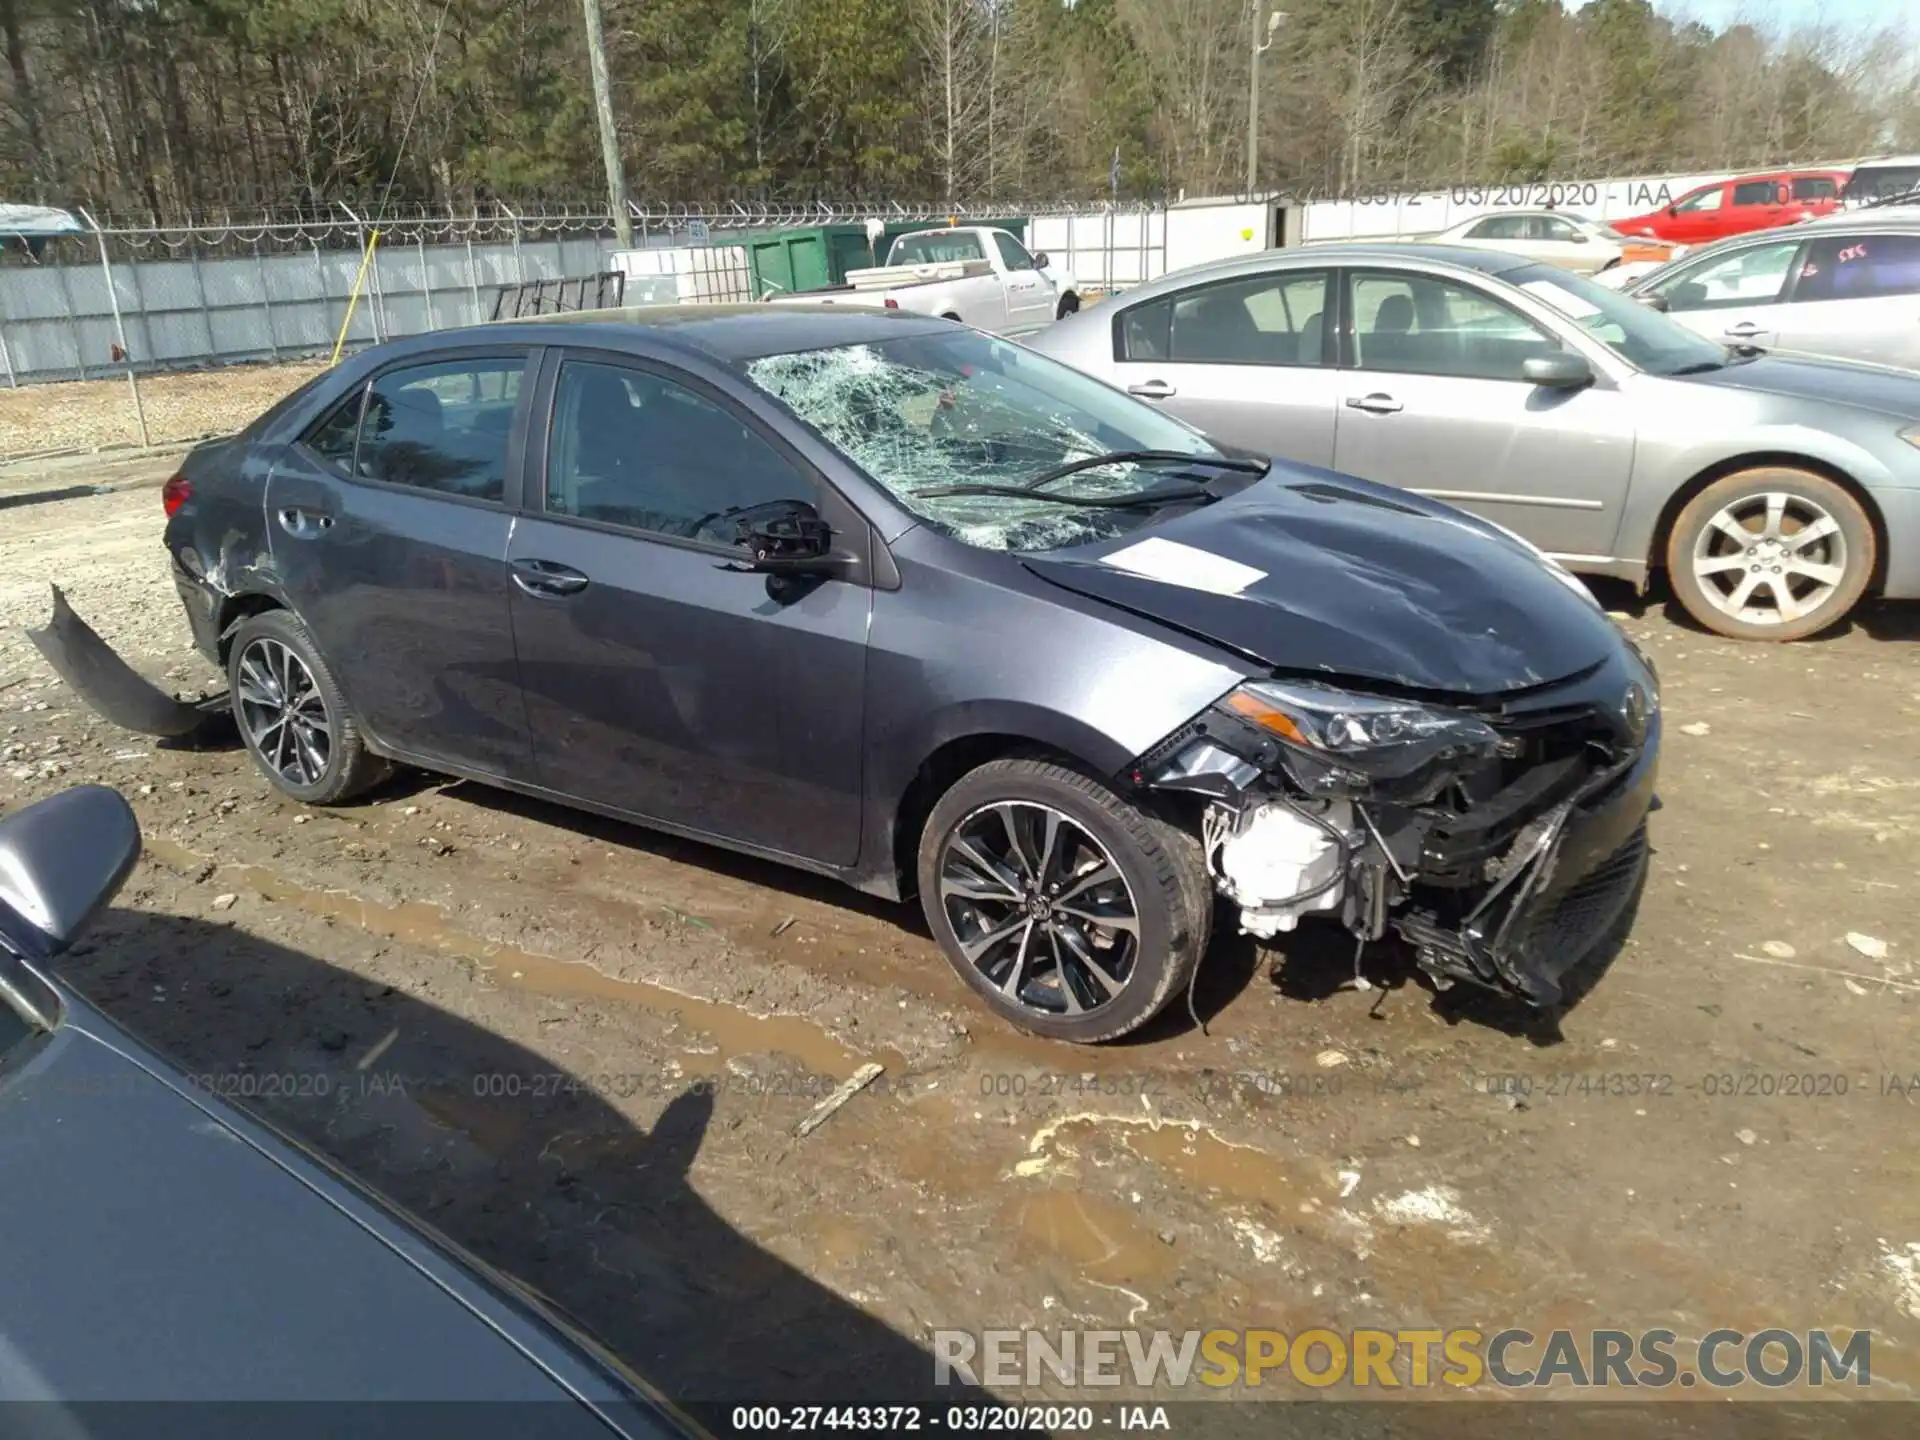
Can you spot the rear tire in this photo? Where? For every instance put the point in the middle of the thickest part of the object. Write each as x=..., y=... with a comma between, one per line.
x=1017, y=849
x=1772, y=553
x=292, y=716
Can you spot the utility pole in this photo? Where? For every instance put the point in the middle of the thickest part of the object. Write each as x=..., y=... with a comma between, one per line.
x=1257, y=45
x=609, y=137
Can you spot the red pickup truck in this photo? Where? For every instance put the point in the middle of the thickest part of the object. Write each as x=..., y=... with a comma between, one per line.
x=1746, y=202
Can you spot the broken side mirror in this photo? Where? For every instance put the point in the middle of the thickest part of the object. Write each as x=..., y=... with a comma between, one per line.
x=788, y=537
x=61, y=861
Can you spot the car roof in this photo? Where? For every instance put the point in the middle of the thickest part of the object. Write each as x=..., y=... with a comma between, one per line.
x=732, y=333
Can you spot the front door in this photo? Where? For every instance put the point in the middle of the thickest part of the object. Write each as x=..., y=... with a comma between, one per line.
x=388, y=522
x=1733, y=299
x=659, y=679
x=1029, y=296
x=1697, y=218
x=1435, y=403
x=1247, y=361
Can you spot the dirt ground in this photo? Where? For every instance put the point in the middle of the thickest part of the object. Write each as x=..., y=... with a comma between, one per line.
x=99, y=414
x=582, y=1050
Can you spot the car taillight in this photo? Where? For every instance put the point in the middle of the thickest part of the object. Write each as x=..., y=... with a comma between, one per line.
x=175, y=493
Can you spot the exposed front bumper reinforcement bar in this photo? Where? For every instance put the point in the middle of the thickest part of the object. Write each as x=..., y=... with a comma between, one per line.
x=113, y=689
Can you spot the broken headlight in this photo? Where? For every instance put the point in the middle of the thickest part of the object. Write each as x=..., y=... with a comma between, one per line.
x=1343, y=742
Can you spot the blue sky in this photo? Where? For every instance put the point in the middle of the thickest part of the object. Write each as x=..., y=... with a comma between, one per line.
x=1792, y=14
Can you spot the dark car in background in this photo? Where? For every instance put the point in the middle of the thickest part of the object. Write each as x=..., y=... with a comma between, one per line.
x=890, y=599
x=168, y=1261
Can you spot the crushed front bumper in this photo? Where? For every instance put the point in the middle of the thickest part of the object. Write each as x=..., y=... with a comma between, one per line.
x=1549, y=912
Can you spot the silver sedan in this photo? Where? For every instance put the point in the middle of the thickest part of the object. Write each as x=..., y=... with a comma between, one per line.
x=1774, y=492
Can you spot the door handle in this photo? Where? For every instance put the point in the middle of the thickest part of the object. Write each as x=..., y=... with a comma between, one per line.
x=547, y=580
x=1153, y=390
x=1374, y=404
x=304, y=524
x=1745, y=330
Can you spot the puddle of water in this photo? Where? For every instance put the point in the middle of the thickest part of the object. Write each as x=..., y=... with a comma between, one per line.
x=735, y=1031
x=1099, y=1239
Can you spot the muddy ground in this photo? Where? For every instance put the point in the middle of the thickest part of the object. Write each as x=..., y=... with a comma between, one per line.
x=582, y=1050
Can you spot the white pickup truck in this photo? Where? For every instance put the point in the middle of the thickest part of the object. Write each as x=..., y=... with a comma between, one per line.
x=973, y=273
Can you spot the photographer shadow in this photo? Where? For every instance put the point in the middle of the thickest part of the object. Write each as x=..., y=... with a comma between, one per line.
x=591, y=1210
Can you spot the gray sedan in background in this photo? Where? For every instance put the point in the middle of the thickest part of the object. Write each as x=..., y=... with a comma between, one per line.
x=1775, y=492
x=1847, y=287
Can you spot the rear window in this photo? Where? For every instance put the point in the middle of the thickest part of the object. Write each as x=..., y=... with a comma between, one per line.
x=939, y=248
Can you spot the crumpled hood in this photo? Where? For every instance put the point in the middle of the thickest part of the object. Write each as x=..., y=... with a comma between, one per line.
x=1830, y=382
x=1311, y=570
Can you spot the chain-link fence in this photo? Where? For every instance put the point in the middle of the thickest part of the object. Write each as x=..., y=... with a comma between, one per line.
x=130, y=304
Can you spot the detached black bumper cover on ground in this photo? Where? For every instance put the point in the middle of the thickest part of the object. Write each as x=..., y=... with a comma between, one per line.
x=112, y=688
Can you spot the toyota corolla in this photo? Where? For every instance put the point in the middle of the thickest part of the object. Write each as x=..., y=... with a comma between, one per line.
x=894, y=600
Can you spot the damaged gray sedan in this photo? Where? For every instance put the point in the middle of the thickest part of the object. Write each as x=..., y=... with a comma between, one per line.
x=892, y=600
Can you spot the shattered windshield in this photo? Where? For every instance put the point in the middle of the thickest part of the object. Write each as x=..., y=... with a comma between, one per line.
x=925, y=412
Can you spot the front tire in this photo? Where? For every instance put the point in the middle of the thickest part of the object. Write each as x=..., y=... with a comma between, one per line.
x=1069, y=305
x=1071, y=912
x=291, y=714
x=1772, y=553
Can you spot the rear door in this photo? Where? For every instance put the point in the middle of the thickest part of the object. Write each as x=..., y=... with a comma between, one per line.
x=1435, y=402
x=1248, y=361
x=1733, y=296
x=1757, y=205
x=660, y=679
x=1856, y=297
x=388, y=522
x=1029, y=297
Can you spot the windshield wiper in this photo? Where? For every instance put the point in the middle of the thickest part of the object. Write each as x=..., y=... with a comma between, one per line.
x=1145, y=457
x=1161, y=496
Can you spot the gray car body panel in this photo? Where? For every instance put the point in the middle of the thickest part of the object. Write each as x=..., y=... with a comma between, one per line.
x=1673, y=433
x=229, y=1265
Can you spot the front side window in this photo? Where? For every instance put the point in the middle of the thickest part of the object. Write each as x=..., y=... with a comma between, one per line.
x=925, y=412
x=1701, y=200
x=442, y=427
x=1556, y=229
x=1422, y=325
x=632, y=448
x=1263, y=320
x=936, y=247
x=1860, y=267
x=1757, y=192
x=1012, y=253
x=1754, y=275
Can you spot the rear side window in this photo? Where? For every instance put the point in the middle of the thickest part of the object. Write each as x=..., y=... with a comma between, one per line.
x=1813, y=187
x=1265, y=320
x=1860, y=267
x=333, y=436
x=1757, y=192
x=442, y=427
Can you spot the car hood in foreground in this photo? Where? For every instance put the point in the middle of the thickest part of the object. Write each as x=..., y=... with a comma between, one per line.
x=151, y=1252
x=1829, y=382
x=1327, y=573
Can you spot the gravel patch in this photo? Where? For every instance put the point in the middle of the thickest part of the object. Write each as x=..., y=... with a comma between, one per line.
x=94, y=414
